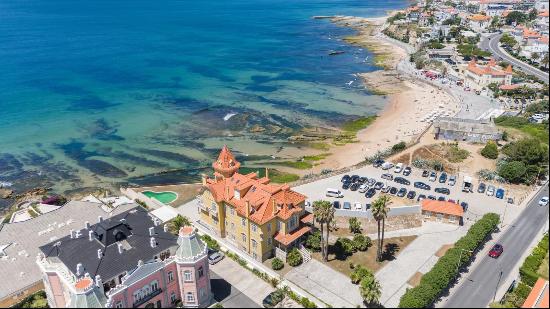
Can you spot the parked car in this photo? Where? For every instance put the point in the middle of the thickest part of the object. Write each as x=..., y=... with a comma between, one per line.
x=411, y=195
x=393, y=190
x=363, y=188
x=379, y=185
x=378, y=163
x=481, y=188
x=215, y=257
x=345, y=178
x=500, y=193
x=433, y=176
x=370, y=193
x=407, y=171
x=358, y=206
x=386, y=189
x=464, y=205
x=452, y=181
x=425, y=173
x=346, y=206
x=387, y=176
x=354, y=178
x=442, y=191
x=443, y=178
x=496, y=251
x=421, y=185
x=490, y=191
x=421, y=197
x=441, y=199
x=273, y=299
x=402, y=181
x=336, y=205
x=362, y=180
x=387, y=165
x=402, y=192
x=354, y=186
x=431, y=197
x=371, y=182
x=543, y=201
x=398, y=168
x=346, y=185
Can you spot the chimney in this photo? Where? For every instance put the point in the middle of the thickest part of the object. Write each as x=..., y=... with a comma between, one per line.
x=153, y=242
x=77, y=234
x=87, y=224
x=99, y=254
x=123, y=221
x=90, y=235
x=100, y=219
x=152, y=231
x=247, y=203
x=166, y=228
x=266, y=173
x=120, y=248
x=79, y=269
x=156, y=222
x=274, y=207
x=72, y=234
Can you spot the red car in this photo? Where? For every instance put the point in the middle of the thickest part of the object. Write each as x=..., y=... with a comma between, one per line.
x=496, y=251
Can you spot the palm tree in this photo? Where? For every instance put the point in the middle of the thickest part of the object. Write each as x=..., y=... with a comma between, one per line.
x=380, y=212
x=324, y=214
x=370, y=289
x=178, y=222
x=544, y=61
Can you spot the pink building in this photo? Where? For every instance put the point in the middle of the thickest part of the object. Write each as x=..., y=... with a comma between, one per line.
x=175, y=271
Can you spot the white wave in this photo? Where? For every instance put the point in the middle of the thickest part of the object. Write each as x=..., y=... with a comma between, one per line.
x=228, y=116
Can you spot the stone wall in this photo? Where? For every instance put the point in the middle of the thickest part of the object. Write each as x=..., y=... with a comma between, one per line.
x=392, y=223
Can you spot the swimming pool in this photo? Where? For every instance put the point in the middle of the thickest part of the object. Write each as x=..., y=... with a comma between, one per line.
x=166, y=197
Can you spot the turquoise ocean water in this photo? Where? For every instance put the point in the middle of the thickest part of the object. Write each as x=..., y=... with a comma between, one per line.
x=103, y=91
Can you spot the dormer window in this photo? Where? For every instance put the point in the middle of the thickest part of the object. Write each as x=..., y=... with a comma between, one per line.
x=237, y=195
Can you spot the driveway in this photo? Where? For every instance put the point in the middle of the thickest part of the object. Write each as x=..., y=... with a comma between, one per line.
x=419, y=256
x=236, y=287
x=327, y=284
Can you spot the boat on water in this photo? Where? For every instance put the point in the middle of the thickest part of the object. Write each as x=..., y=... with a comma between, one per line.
x=336, y=52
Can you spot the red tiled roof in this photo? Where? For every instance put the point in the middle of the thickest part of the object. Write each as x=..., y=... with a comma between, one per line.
x=83, y=284
x=544, y=14
x=226, y=160
x=489, y=69
x=186, y=230
x=307, y=219
x=287, y=239
x=544, y=39
x=442, y=207
x=479, y=17
x=538, y=298
x=528, y=33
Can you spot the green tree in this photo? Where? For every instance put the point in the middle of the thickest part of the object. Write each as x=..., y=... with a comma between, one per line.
x=533, y=14
x=294, y=258
x=178, y=222
x=508, y=40
x=513, y=172
x=361, y=242
x=354, y=225
x=313, y=241
x=370, y=290
x=323, y=213
x=380, y=212
x=515, y=17
x=490, y=151
x=527, y=150
x=343, y=247
x=359, y=273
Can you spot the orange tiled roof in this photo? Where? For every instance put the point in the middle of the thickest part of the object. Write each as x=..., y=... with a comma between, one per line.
x=257, y=198
x=509, y=87
x=489, y=69
x=83, y=284
x=544, y=39
x=538, y=298
x=442, y=207
x=544, y=14
x=307, y=219
x=226, y=160
x=479, y=17
x=287, y=239
x=528, y=33
x=505, y=13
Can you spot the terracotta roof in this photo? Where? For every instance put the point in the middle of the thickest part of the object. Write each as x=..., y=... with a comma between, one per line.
x=442, y=207
x=543, y=14
x=489, y=69
x=528, y=33
x=307, y=219
x=83, y=284
x=509, y=87
x=544, y=39
x=538, y=298
x=287, y=239
x=186, y=230
x=226, y=160
x=479, y=17
x=505, y=13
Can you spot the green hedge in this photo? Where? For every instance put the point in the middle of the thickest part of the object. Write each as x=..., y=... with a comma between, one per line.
x=528, y=271
x=445, y=270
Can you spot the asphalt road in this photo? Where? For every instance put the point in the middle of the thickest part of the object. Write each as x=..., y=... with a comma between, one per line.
x=491, y=43
x=480, y=286
x=228, y=295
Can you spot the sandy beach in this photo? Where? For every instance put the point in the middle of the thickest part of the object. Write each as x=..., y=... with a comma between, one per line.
x=409, y=98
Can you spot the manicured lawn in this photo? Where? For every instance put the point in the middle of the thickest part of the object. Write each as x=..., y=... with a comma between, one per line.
x=543, y=270
x=275, y=175
x=368, y=258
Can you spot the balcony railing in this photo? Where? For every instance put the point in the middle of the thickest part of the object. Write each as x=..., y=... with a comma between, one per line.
x=148, y=297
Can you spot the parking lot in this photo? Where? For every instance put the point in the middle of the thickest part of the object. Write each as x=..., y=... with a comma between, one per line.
x=478, y=203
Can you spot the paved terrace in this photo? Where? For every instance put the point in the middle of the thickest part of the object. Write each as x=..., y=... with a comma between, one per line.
x=18, y=260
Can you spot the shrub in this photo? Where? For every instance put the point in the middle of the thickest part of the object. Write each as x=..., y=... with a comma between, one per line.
x=361, y=242
x=313, y=241
x=294, y=258
x=490, y=151
x=343, y=247
x=529, y=268
x=354, y=225
x=277, y=264
x=210, y=242
x=513, y=172
x=398, y=147
x=445, y=270
x=359, y=273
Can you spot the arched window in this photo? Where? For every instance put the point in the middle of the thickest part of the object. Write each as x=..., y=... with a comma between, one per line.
x=201, y=272
x=190, y=297
x=154, y=286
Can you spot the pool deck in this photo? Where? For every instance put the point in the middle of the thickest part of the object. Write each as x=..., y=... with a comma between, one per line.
x=185, y=192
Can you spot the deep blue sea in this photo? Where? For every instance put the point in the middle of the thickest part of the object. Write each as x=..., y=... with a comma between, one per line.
x=102, y=91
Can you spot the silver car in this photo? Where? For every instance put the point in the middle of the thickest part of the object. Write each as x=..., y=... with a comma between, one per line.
x=490, y=190
x=215, y=257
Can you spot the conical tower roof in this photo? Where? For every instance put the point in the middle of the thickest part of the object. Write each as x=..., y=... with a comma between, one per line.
x=191, y=248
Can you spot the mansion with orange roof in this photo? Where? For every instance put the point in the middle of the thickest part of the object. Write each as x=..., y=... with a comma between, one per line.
x=251, y=213
x=478, y=76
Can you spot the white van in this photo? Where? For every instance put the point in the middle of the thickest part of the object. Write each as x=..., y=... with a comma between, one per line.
x=398, y=168
x=387, y=165
x=334, y=193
